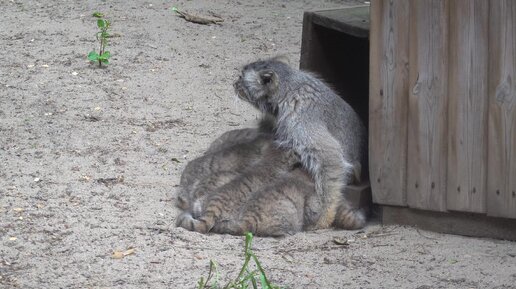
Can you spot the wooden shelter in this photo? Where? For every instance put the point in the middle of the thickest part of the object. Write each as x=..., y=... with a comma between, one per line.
x=441, y=106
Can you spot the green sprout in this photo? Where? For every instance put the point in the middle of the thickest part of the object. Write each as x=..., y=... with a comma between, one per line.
x=102, y=57
x=98, y=14
x=247, y=278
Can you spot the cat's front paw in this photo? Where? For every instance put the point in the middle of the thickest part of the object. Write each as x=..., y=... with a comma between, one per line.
x=187, y=221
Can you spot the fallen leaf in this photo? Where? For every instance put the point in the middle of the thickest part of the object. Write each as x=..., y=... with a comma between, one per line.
x=120, y=254
x=175, y=160
x=129, y=251
x=342, y=242
x=288, y=258
x=117, y=255
x=110, y=181
x=85, y=178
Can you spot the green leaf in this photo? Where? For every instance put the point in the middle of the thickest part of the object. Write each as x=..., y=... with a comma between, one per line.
x=98, y=14
x=105, y=55
x=101, y=23
x=103, y=60
x=201, y=283
x=93, y=56
x=264, y=281
x=175, y=9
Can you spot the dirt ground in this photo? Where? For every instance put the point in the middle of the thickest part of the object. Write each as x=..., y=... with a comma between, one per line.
x=90, y=158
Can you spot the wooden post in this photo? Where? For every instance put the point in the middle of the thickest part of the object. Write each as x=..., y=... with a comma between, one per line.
x=467, y=112
x=427, y=143
x=388, y=103
x=501, y=198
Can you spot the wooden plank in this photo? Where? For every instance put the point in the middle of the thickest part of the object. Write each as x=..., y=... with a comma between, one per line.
x=388, y=101
x=467, y=111
x=351, y=20
x=310, y=45
x=467, y=224
x=501, y=199
x=427, y=145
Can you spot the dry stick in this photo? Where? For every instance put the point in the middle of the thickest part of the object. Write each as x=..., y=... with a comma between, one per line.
x=205, y=20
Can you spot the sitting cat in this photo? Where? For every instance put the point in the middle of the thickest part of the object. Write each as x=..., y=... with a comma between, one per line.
x=319, y=126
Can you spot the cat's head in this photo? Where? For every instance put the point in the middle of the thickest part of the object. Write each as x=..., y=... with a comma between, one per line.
x=259, y=83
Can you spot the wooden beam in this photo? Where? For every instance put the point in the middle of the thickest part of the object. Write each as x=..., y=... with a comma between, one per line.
x=501, y=182
x=428, y=99
x=388, y=101
x=468, y=106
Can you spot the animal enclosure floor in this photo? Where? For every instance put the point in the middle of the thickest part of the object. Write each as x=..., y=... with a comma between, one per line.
x=90, y=158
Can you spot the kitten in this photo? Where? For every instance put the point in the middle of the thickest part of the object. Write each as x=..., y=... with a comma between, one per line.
x=316, y=124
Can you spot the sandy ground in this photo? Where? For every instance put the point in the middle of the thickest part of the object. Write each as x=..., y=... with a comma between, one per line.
x=90, y=158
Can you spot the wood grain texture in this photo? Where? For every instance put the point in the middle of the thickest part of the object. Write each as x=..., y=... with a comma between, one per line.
x=501, y=199
x=427, y=133
x=467, y=111
x=461, y=223
x=388, y=101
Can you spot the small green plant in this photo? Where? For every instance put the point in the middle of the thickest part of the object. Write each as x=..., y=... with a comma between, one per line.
x=102, y=57
x=98, y=14
x=247, y=278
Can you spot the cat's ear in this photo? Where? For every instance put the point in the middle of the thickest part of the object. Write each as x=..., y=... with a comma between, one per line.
x=268, y=77
x=281, y=58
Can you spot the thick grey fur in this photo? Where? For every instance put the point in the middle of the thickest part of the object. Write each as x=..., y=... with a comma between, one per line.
x=313, y=121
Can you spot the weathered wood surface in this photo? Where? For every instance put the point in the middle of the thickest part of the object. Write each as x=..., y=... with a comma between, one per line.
x=427, y=121
x=352, y=21
x=468, y=224
x=388, y=103
x=467, y=100
x=501, y=200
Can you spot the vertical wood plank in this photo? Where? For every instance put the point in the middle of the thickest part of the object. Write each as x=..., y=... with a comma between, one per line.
x=427, y=134
x=467, y=111
x=501, y=199
x=388, y=101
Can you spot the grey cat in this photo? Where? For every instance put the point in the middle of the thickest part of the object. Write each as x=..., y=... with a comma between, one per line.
x=316, y=124
x=224, y=159
x=244, y=183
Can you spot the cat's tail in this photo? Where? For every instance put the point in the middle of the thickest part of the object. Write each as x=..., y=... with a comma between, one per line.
x=349, y=218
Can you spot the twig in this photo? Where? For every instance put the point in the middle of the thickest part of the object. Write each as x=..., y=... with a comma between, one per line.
x=205, y=20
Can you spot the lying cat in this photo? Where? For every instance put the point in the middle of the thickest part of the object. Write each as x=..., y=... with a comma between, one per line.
x=244, y=183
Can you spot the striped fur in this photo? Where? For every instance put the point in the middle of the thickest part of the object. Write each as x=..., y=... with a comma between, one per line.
x=266, y=197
